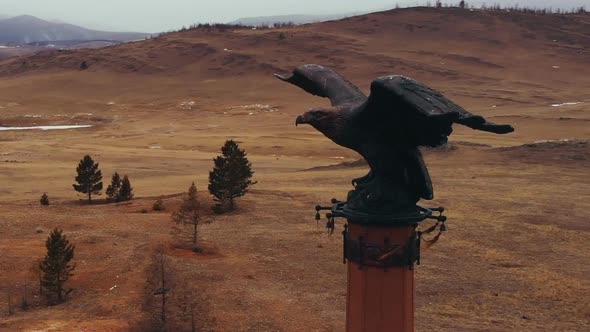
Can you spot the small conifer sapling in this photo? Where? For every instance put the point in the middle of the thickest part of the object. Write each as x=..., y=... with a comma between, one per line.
x=44, y=199
x=231, y=176
x=56, y=268
x=126, y=191
x=113, y=188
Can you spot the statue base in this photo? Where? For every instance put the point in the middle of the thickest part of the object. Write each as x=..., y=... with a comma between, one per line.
x=380, y=291
x=380, y=251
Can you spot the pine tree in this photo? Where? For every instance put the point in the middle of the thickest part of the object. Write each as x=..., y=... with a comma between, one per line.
x=119, y=190
x=189, y=216
x=126, y=191
x=56, y=268
x=462, y=4
x=89, y=178
x=113, y=189
x=230, y=177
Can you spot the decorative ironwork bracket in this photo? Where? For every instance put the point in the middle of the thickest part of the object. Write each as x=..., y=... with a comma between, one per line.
x=382, y=255
x=386, y=254
x=341, y=209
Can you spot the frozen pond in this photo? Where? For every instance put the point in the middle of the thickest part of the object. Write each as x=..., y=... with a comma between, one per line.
x=45, y=127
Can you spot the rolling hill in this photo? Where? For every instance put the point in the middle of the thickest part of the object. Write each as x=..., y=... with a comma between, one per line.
x=488, y=50
x=29, y=29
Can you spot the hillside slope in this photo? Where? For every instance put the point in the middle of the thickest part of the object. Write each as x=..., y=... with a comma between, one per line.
x=28, y=29
x=450, y=48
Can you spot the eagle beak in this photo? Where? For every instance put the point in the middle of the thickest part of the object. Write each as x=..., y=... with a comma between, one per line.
x=282, y=78
x=300, y=120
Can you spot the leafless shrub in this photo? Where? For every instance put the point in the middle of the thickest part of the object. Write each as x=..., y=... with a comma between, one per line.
x=160, y=281
x=171, y=302
x=9, y=307
x=188, y=218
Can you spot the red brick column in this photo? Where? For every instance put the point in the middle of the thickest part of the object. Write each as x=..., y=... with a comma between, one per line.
x=380, y=297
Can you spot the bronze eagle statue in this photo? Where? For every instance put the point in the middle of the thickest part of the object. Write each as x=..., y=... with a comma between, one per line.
x=385, y=128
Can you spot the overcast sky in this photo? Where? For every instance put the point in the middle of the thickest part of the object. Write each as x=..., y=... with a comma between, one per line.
x=163, y=15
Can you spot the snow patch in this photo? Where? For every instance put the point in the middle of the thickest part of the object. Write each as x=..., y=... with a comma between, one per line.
x=568, y=104
x=187, y=105
x=254, y=108
x=45, y=127
x=564, y=140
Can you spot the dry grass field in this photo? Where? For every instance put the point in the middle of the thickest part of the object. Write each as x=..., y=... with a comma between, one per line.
x=516, y=254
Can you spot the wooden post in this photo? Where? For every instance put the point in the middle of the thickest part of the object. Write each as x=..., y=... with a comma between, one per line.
x=380, y=297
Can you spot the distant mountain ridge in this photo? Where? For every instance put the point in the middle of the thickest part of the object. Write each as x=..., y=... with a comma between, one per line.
x=27, y=29
x=295, y=19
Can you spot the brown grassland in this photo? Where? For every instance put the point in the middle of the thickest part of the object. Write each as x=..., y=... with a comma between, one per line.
x=516, y=254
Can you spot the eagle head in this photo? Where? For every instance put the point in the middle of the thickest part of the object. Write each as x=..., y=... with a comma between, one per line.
x=317, y=118
x=325, y=120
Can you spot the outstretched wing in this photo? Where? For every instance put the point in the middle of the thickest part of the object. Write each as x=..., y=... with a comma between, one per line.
x=324, y=82
x=402, y=112
x=424, y=115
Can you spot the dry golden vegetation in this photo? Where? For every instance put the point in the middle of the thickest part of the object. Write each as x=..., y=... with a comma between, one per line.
x=515, y=257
